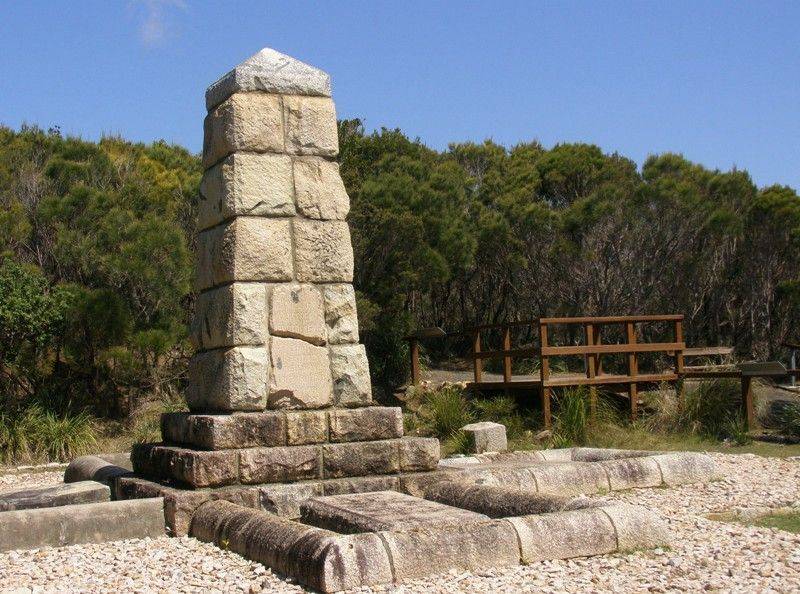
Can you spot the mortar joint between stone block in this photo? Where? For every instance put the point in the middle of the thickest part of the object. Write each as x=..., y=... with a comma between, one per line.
x=389, y=556
x=660, y=471
x=518, y=537
x=613, y=526
x=608, y=476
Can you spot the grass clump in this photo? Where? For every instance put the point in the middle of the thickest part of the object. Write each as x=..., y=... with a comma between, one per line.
x=789, y=420
x=711, y=409
x=788, y=521
x=33, y=435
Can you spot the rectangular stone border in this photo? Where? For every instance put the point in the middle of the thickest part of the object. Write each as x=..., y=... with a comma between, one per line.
x=553, y=472
x=281, y=499
x=83, y=523
x=330, y=562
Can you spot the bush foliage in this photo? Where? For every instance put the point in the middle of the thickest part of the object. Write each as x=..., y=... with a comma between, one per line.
x=97, y=240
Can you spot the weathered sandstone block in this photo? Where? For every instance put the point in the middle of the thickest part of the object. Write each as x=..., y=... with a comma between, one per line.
x=360, y=484
x=228, y=380
x=300, y=375
x=562, y=535
x=382, y=510
x=486, y=437
x=418, y=454
x=245, y=122
x=55, y=496
x=276, y=465
x=363, y=424
x=232, y=315
x=244, y=249
x=246, y=184
x=629, y=473
x=310, y=126
x=323, y=252
x=221, y=432
x=471, y=546
x=637, y=527
x=297, y=311
x=350, y=373
x=319, y=190
x=196, y=468
x=272, y=72
x=340, y=313
x=360, y=458
x=305, y=427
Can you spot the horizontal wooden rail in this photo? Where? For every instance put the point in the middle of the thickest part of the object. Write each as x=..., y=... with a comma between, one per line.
x=580, y=349
x=612, y=319
x=524, y=352
x=606, y=380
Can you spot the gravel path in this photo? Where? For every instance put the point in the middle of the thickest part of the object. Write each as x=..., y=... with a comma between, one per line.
x=16, y=481
x=706, y=555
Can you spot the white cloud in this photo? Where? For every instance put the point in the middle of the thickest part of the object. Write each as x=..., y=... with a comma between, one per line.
x=153, y=25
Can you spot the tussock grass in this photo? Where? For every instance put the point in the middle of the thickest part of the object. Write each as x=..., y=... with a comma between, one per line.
x=33, y=435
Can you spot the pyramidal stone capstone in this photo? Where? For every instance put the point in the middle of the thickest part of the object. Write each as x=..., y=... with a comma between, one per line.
x=272, y=72
x=278, y=387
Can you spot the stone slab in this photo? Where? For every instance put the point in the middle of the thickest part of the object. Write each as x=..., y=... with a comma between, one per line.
x=319, y=190
x=251, y=122
x=231, y=315
x=246, y=249
x=299, y=375
x=350, y=373
x=228, y=380
x=323, y=252
x=66, y=494
x=341, y=317
x=246, y=184
x=279, y=465
x=365, y=424
x=381, y=510
x=84, y=523
x=310, y=126
x=273, y=72
x=297, y=311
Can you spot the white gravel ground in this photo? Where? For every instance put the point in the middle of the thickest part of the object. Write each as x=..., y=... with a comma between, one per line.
x=17, y=481
x=706, y=555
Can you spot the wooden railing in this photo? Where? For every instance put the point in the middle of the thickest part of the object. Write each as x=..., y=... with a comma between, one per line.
x=593, y=350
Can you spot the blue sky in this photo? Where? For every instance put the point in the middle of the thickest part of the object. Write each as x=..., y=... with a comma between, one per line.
x=716, y=81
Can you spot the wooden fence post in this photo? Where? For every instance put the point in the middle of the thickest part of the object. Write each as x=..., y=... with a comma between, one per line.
x=477, y=362
x=415, y=374
x=747, y=402
x=506, y=356
x=633, y=369
x=591, y=372
x=544, y=375
x=679, y=364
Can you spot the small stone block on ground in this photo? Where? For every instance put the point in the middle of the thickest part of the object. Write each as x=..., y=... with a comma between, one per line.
x=486, y=437
x=382, y=510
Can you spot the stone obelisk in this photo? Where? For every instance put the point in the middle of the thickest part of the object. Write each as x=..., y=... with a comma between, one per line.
x=279, y=388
